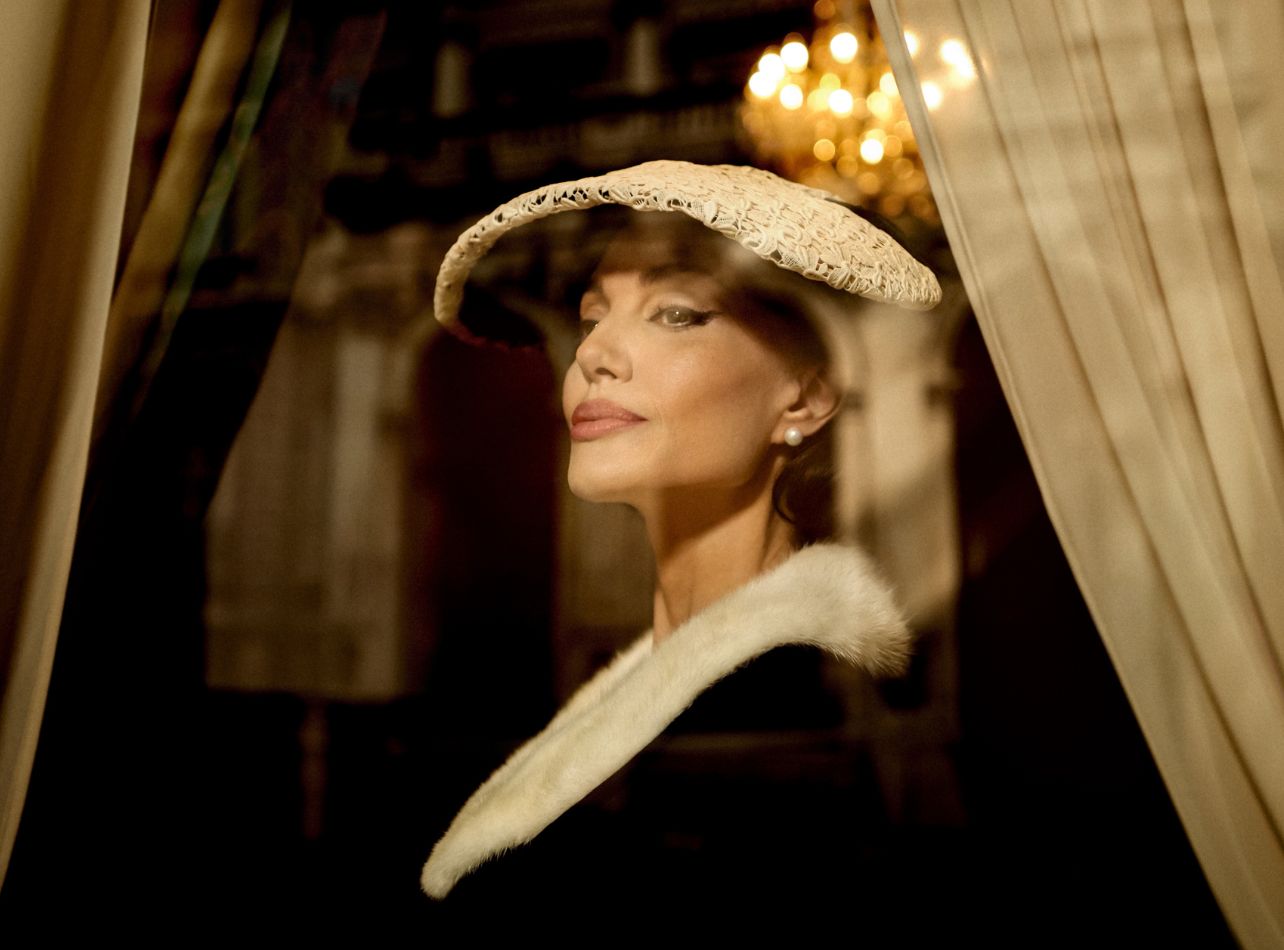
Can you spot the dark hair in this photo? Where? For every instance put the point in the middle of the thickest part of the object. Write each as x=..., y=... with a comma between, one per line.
x=778, y=304
x=804, y=491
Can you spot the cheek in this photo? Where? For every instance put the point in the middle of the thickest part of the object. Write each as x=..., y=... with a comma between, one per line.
x=714, y=405
x=573, y=390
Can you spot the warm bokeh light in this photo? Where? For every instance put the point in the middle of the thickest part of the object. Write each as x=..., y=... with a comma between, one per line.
x=826, y=110
x=762, y=85
x=772, y=66
x=841, y=102
x=879, y=105
x=911, y=43
x=843, y=46
x=955, y=54
x=932, y=95
x=794, y=55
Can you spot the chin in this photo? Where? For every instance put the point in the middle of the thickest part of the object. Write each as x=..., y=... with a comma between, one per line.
x=595, y=489
x=601, y=483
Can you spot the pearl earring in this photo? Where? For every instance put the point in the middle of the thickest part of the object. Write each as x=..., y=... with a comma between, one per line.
x=794, y=436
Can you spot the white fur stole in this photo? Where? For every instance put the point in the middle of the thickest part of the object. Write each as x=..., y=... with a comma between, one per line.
x=826, y=595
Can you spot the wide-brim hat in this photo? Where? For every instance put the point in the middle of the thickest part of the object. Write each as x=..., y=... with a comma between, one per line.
x=802, y=229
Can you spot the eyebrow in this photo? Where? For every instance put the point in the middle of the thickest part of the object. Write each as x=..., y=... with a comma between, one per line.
x=651, y=275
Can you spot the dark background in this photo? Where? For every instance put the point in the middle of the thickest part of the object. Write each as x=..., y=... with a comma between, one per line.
x=161, y=806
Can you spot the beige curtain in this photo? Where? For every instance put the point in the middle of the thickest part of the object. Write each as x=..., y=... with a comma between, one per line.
x=1108, y=175
x=71, y=73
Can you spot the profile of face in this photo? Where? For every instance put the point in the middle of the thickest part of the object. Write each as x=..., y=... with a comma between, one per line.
x=675, y=384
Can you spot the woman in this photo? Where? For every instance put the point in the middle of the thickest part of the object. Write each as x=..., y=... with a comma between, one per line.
x=698, y=395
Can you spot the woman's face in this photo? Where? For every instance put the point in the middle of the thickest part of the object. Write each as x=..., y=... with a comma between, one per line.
x=669, y=389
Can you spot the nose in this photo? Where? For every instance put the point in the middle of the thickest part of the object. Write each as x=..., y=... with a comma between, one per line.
x=604, y=354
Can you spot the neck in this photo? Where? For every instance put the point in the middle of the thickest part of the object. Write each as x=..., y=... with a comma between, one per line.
x=707, y=544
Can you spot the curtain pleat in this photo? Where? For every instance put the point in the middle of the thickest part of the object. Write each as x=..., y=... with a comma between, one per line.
x=208, y=214
x=183, y=179
x=1096, y=175
x=72, y=75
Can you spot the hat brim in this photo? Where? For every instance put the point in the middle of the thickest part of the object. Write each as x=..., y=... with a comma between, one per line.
x=798, y=228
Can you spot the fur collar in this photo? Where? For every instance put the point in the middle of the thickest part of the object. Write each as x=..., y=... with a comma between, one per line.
x=826, y=595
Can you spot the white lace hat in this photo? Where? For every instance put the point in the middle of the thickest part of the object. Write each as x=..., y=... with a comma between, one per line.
x=796, y=227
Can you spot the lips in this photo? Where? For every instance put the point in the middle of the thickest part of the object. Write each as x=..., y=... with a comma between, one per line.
x=595, y=418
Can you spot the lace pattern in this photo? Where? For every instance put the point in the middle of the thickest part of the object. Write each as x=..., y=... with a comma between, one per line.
x=796, y=227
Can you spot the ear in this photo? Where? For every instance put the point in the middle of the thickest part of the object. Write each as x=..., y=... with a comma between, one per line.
x=817, y=403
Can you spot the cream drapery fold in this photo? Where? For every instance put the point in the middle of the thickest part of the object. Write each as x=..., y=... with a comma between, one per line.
x=72, y=75
x=1108, y=176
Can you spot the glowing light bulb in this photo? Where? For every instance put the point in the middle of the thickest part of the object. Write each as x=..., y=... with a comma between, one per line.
x=841, y=102
x=932, y=95
x=911, y=43
x=794, y=56
x=872, y=151
x=772, y=66
x=823, y=150
x=791, y=96
x=843, y=46
x=762, y=85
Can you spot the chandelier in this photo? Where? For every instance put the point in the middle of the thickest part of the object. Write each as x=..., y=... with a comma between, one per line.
x=828, y=113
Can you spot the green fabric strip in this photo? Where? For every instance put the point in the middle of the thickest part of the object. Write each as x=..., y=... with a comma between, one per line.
x=209, y=213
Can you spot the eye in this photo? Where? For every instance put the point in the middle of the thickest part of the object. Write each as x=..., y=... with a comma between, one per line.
x=586, y=327
x=679, y=318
